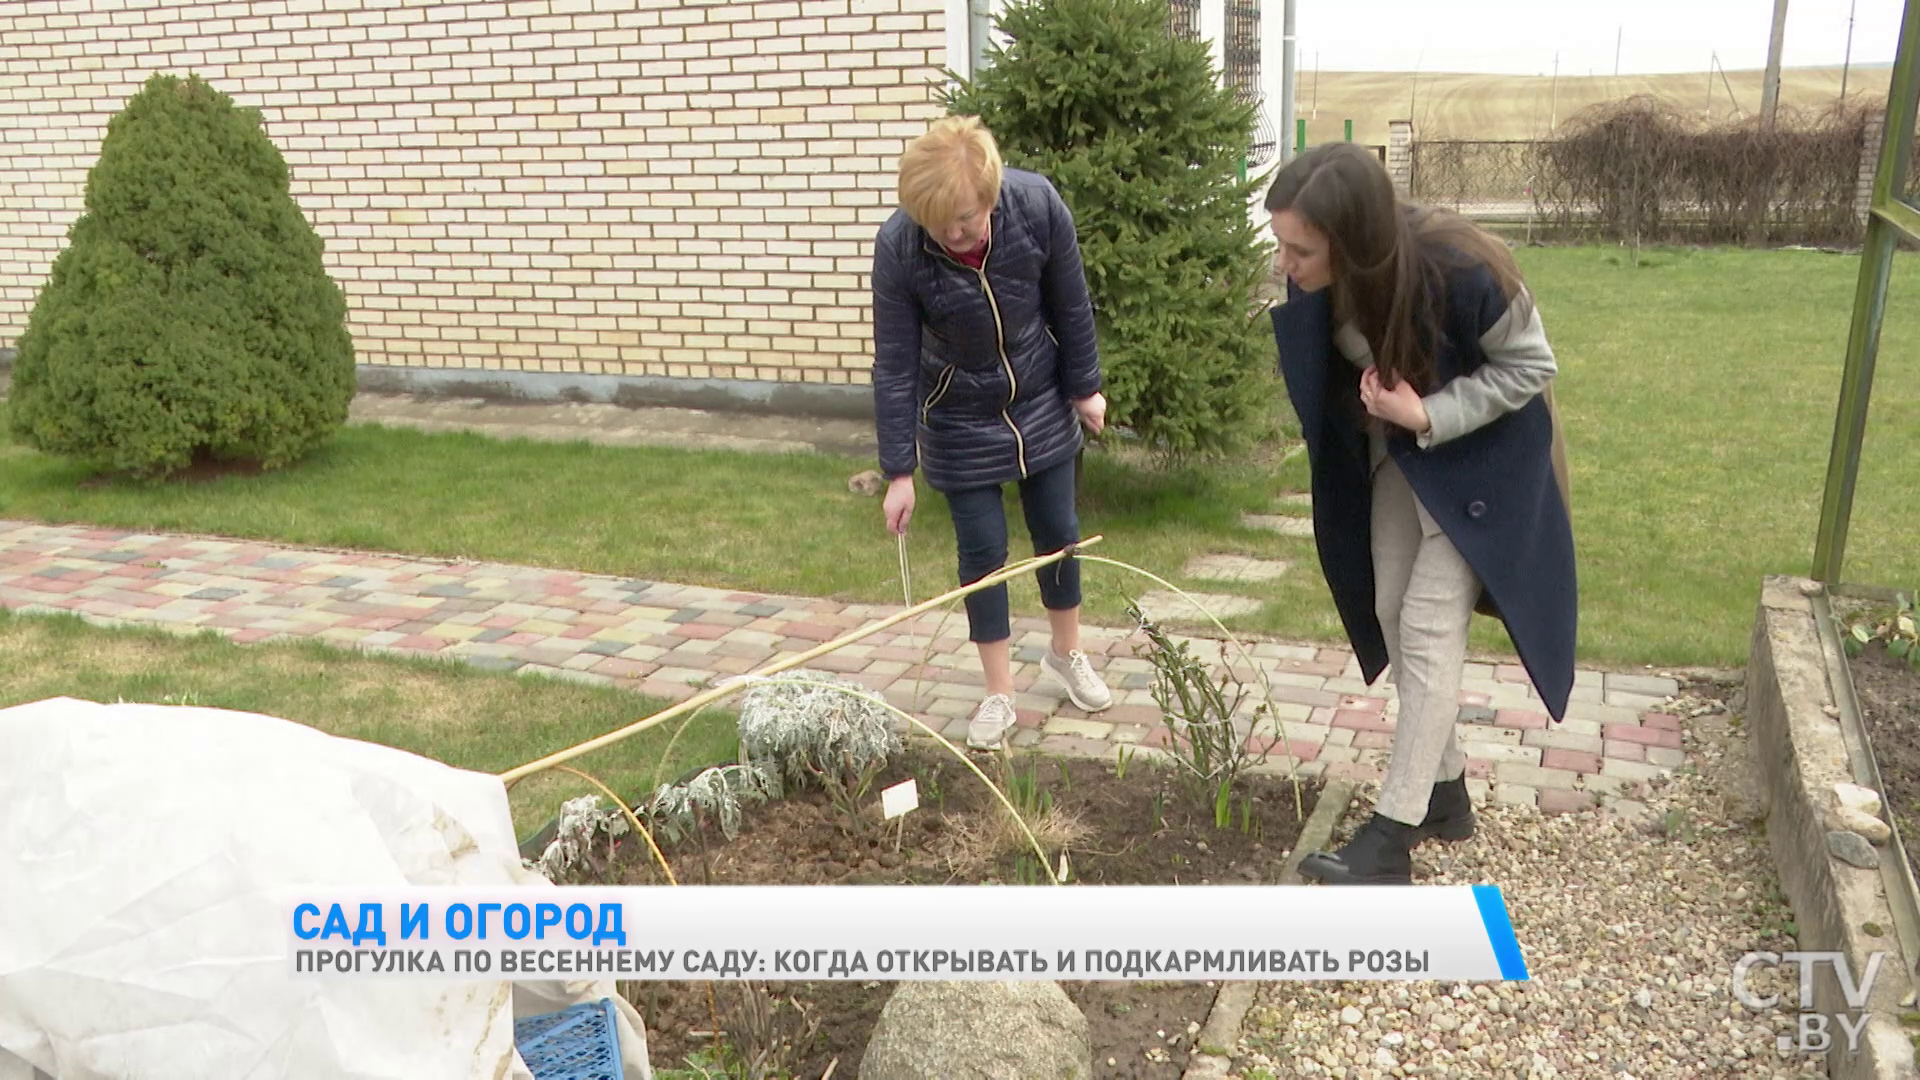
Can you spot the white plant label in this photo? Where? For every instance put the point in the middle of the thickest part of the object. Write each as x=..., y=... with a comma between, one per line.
x=899, y=798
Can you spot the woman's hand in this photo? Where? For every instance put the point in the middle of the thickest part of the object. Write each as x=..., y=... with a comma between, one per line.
x=1093, y=412
x=898, y=504
x=1401, y=405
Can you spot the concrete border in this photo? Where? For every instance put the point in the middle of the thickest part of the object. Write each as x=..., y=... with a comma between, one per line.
x=1336, y=797
x=1801, y=750
x=835, y=401
x=1222, y=1028
x=841, y=401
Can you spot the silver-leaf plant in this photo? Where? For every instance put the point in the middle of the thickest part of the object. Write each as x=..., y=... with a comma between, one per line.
x=716, y=795
x=582, y=825
x=807, y=727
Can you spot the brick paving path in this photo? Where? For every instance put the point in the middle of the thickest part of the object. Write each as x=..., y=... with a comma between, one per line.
x=666, y=640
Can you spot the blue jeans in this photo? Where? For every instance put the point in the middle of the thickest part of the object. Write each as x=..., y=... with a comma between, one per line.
x=980, y=529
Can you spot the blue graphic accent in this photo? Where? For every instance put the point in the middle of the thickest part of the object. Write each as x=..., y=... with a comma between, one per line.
x=1506, y=948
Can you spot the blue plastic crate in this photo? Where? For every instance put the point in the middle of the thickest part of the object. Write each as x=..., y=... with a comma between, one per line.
x=577, y=1043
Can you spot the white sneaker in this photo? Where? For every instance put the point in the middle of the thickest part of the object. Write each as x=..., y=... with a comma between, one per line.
x=1075, y=672
x=991, y=722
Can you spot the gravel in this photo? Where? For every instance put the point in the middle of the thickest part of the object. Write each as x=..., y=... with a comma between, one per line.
x=1630, y=922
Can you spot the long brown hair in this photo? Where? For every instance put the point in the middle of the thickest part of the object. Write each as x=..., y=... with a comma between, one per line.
x=1388, y=258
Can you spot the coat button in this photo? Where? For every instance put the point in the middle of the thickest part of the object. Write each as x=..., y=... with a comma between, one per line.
x=1476, y=508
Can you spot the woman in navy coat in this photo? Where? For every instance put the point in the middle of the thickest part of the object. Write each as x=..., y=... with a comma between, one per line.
x=1416, y=360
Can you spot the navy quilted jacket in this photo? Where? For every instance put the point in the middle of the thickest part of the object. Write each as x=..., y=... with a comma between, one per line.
x=974, y=370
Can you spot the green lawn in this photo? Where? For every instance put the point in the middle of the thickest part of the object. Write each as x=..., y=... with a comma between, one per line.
x=1698, y=391
x=775, y=523
x=446, y=711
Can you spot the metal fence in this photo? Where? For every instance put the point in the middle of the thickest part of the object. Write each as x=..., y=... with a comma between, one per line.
x=1241, y=56
x=1709, y=187
x=1183, y=19
x=1480, y=177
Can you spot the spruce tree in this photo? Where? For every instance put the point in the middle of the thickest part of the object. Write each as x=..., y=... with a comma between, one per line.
x=189, y=316
x=1147, y=148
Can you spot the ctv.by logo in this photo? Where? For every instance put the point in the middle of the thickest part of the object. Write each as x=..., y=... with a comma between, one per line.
x=1813, y=1033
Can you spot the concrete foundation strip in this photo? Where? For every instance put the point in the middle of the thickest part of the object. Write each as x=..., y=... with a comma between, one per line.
x=1221, y=1031
x=1803, y=745
x=1896, y=874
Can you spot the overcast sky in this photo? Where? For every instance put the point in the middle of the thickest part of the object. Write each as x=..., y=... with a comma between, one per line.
x=1520, y=37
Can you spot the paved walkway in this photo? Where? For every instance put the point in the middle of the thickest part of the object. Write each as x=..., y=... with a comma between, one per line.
x=666, y=640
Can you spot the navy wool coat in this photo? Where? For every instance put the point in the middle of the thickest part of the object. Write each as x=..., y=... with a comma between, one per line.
x=974, y=371
x=1492, y=490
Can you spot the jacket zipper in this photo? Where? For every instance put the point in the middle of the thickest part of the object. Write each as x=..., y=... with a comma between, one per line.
x=1000, y=342
x=940, y=388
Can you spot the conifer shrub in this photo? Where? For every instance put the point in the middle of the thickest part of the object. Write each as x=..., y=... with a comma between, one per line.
x=189, y=318
x=1147, y=148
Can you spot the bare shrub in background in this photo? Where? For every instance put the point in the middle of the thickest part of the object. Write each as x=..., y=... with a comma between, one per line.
x=1642, y=171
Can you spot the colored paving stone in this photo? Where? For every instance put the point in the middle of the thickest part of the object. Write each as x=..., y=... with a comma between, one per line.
x=1574, y=760
x=1555, y=801
x=1647, y=736
x=1520, y=718
x=1625, y=751
x=669, y=640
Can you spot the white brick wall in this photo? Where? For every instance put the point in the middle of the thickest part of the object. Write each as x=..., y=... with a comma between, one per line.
x=635, y=187
x=1870, y=142
x=1400, y=155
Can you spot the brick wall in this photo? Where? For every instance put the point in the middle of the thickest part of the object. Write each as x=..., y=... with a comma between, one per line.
x=1871, y=139
x=632, y=187
x=1400, y=156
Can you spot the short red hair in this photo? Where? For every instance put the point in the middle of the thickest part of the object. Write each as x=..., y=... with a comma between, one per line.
x=953, y=164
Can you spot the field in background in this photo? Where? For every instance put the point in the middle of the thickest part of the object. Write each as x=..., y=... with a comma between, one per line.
x=1447, y=106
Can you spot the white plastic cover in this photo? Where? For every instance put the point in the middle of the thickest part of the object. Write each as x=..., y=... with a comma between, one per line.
x=144, y=854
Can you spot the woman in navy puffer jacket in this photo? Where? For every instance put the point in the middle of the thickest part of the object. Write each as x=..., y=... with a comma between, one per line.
x=984, y=370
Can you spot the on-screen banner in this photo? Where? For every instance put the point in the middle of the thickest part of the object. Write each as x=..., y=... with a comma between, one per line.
x=883, y=932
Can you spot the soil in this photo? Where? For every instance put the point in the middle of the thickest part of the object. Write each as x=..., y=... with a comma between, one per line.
x=1889, y=694
x=1146, y=827
x=203, y=470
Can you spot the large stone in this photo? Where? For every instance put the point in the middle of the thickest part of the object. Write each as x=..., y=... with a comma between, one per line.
x=868, y=484
x=1875, y=830
x=1853, y=849
x=1855, y=797
x=979, y=1031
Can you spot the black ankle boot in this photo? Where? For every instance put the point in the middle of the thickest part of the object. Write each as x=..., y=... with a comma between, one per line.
x=1449, y=812
x=1379, y=854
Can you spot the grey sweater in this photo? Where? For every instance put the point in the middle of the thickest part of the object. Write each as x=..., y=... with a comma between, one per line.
x=1519, y=366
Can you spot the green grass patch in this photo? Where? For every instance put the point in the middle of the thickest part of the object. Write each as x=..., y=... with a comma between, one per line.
x=782, y=524
x=1698, y=390
x=472, y=719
